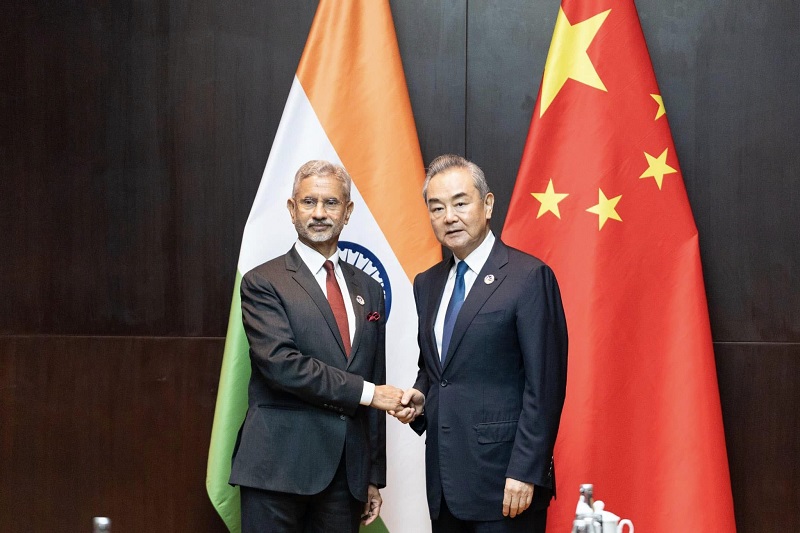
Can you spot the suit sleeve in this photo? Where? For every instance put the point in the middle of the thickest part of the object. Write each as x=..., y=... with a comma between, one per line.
x=542, y=334
x=275, y=355
x=422, y=383
x=377, y=418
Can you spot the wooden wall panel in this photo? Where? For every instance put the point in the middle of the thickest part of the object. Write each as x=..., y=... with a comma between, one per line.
x=136, y=135
x=432, y=37
x=761, y=412
x=508, y=42
x=115, y=427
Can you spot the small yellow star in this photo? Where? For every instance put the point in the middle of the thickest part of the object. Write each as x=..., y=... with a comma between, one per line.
x=549, y=200
x=661, y=110
x=567, y=58
x=605, y=208
x=657, y=167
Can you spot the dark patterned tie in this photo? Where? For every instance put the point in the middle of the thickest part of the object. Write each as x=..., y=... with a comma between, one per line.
x=337, y=306
x=453, y=307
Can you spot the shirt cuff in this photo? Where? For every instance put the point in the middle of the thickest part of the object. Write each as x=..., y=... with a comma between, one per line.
x=367, y=393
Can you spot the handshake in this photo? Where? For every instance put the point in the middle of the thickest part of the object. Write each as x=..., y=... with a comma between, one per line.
x=403, y=405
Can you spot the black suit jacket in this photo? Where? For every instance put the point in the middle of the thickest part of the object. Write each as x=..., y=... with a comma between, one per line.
x=303, y=396
x=493, y=411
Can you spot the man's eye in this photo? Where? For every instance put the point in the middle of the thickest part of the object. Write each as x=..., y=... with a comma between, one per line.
x=308, y=202
x=332, y=202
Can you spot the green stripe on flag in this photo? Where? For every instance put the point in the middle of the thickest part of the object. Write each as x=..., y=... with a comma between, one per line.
x=375, y=527
x=228, y=416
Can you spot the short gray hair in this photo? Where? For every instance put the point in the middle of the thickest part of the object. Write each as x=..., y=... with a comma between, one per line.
x=448, y=161
x=319, y=167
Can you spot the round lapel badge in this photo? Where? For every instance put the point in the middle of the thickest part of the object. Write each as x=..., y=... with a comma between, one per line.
x=489, y=279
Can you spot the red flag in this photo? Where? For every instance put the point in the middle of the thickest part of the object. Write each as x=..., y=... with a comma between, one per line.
x=601, y=199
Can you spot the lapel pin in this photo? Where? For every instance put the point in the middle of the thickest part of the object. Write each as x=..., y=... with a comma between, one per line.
x=489, y=279
x=360, y=300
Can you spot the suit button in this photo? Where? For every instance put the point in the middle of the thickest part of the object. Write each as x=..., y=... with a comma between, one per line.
x=343, y=417
x=445, y=383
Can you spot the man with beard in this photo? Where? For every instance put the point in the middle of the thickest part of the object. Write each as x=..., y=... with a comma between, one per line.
x=311, y=454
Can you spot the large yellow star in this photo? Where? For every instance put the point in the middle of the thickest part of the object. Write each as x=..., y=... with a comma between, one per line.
x=605, y=208
x=661, y=111
x=549, y=200
x=567, y=58
x=657, y=167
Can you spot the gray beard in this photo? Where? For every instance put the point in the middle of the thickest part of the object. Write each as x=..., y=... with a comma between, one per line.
x=305, y=232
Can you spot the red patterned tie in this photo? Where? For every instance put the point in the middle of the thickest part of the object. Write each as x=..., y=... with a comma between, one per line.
x=337, y=306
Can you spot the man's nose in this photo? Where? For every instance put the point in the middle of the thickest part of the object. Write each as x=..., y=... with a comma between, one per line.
x=450, y=215
x=319, y=211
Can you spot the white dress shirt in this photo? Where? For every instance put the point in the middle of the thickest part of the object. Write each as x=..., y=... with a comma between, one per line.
x=475, y=262
x=315, y=262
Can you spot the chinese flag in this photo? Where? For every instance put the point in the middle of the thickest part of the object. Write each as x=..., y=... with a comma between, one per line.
x=601, y=199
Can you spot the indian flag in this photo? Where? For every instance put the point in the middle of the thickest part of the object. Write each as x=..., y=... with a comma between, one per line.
x=349, y=105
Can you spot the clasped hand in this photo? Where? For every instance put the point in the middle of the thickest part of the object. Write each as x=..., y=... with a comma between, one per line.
x=412, y=402
x=403, y=405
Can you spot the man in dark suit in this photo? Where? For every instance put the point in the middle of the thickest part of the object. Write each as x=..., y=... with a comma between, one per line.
x=311, y=454
x=493, y=361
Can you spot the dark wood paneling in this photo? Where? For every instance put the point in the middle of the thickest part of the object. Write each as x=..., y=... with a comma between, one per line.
x=508, y=42
x=115, y=427
x=135, y=137
x=432, y=36
x=761, y=411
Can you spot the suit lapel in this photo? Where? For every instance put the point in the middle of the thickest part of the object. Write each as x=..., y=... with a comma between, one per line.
x=435, y=294
x=478, y=294
x=303, y=276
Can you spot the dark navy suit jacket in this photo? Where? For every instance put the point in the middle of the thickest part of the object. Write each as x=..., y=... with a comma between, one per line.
x=493, y=411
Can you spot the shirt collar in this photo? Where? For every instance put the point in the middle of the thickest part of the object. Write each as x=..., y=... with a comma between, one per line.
x=313, y=259
x=479, y=255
